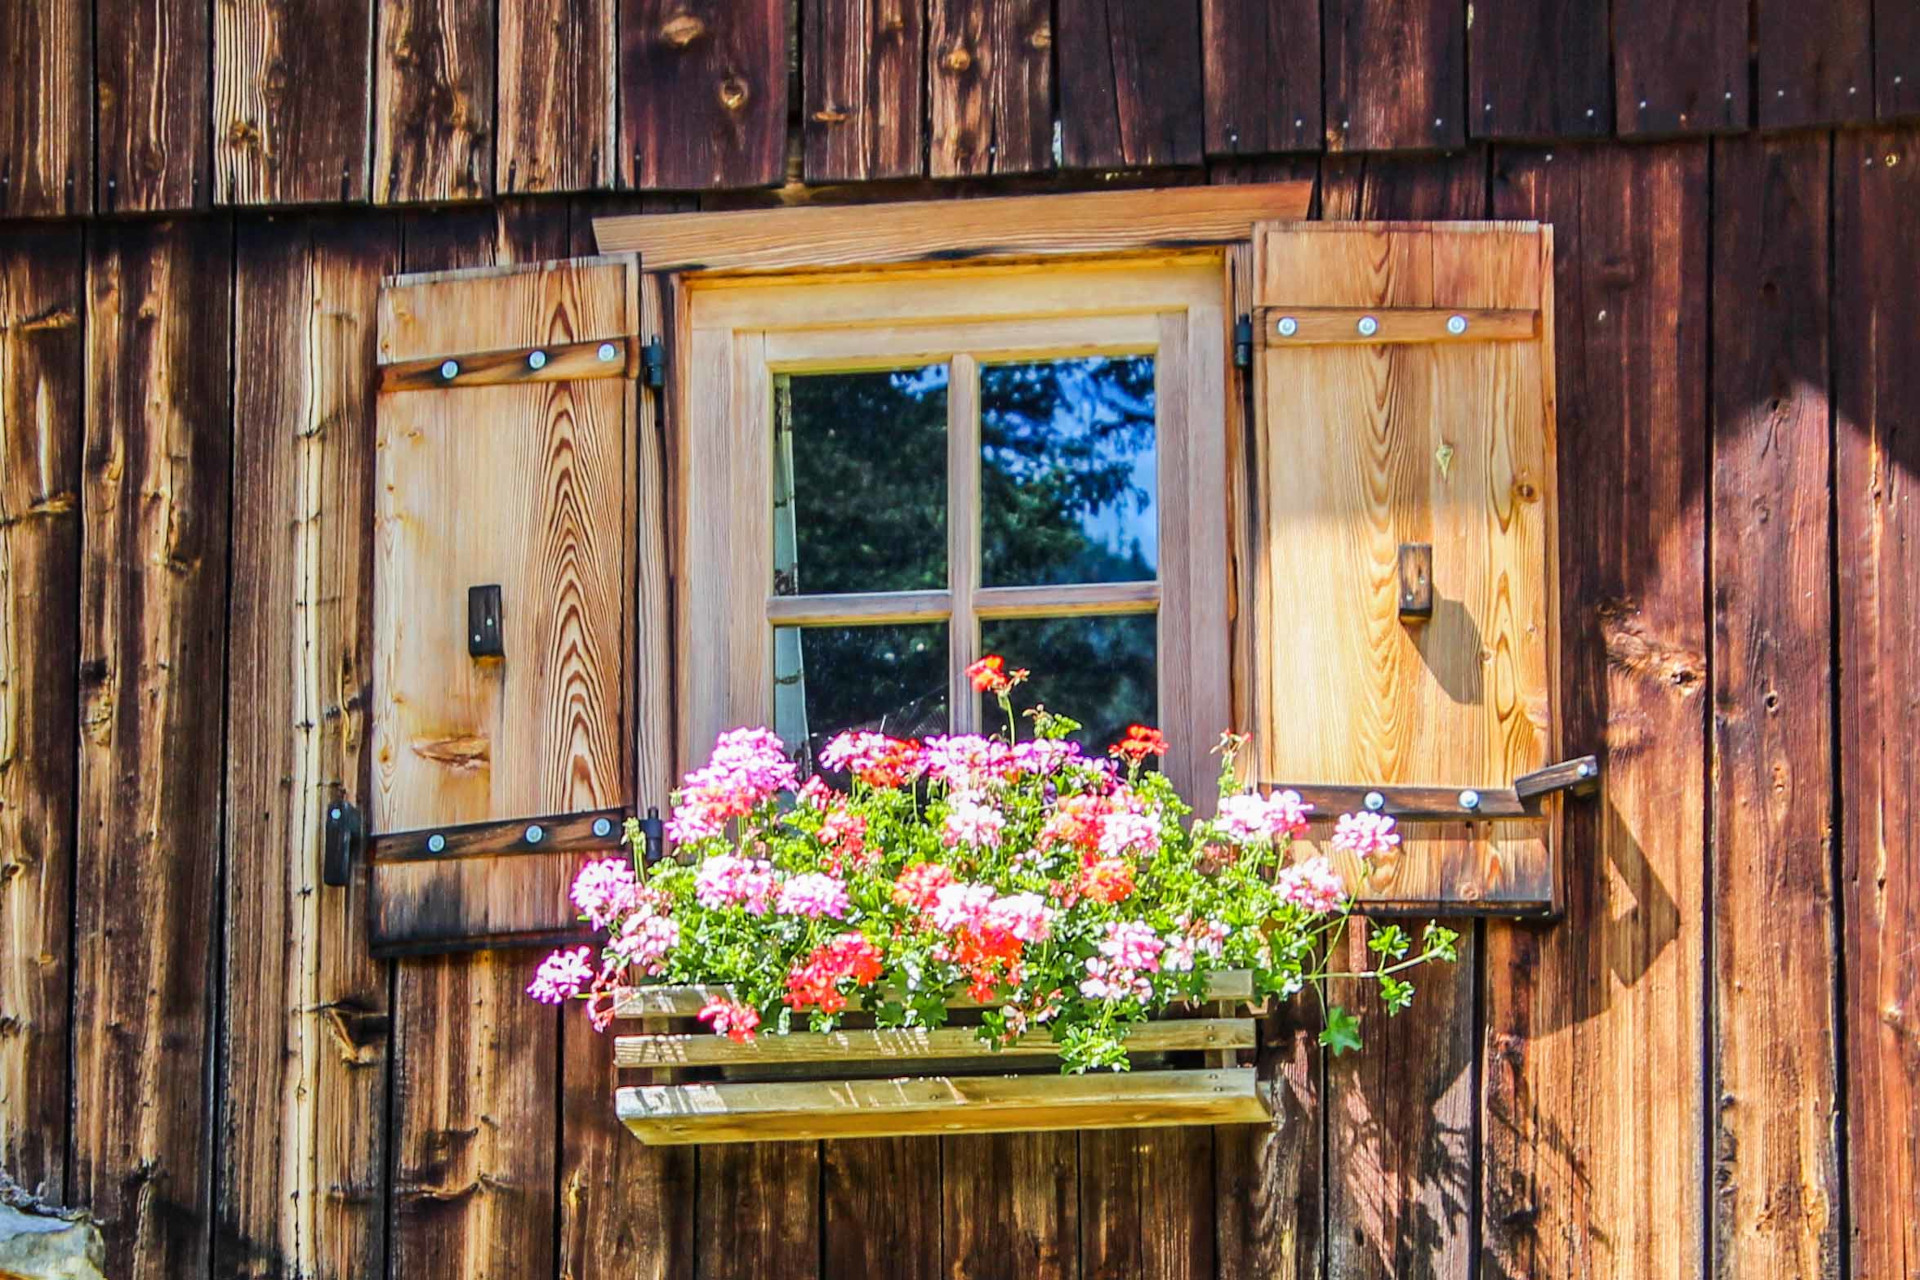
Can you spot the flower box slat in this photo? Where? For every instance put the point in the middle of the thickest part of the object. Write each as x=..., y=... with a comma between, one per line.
x=776, y=1111
x=663, y=1000
x=705, y=1049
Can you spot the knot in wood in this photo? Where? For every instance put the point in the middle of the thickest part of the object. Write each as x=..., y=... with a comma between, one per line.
x=957, y=59
x=1042, y=38
x=830, y=115
x=682, y=30
x=733, y=93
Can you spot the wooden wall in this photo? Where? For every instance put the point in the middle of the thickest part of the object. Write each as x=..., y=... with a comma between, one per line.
x=1708, y=1068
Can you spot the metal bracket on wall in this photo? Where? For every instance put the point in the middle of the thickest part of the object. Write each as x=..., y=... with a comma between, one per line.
x=1581, y=776
x=485, y=637
x=345, y=835
x=653, y=358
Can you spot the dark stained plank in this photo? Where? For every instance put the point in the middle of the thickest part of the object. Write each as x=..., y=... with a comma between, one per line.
x=475, y=1074
x=291, y=80
x=42, y=364
x=1147, y=1203
x=1261, y=75
x=863, y=84
x=1129, y=84
x=1896, y=58
x=703, y=93
x=1679, y=66
x=1539, y=69
x=1394, y=74
x=1011, y=1206
x=990, y=95
x=152, y=663
x=1815, y=61
x=1774, y=1046
x=433, y=99
x=882, y=1207
x=301, y=1181
x=151, y=77
x=46, y=118
x=1876, y=356
x=1269, y=1179
x=1592, y=1114
x=757, y=1216
x=557, y=91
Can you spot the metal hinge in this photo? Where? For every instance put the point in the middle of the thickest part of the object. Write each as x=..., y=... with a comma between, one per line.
x=653, y=358
x=345, y=836
x=1243, y=342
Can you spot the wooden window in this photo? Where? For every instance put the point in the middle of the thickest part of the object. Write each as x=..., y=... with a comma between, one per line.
x=886, y=476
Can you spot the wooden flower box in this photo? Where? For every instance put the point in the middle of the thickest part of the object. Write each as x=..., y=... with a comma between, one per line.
x=857, y=1082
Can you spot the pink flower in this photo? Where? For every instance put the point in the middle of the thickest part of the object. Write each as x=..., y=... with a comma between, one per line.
x=646, y=941
x=725, y=880
x=816, y=795
x=1313, y=886
x=968, y=762
x=1108, y=981
x=1128, y=832
x=874, y=758
x=605, y=890
x=1042, y=757
x=1252, y=817
x=973, y=823
x=562, y=976
x=1365, y=834
x=1132, y=944
x=814, y=895
x=1024, y=916
x=731, y=1018
x=748, y=767
x=961, y=906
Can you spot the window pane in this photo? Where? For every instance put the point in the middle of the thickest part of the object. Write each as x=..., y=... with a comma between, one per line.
x=890, y=679
x=1098, y=670
x=1067, y=481
x=860, y=481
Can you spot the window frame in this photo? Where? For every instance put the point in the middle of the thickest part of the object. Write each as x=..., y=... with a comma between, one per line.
x=733, y=333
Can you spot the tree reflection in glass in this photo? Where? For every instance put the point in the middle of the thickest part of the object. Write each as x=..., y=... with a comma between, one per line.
x=1100, y=670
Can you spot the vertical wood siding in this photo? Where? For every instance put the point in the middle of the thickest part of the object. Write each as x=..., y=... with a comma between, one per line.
x=46, y=109
x=291, y=90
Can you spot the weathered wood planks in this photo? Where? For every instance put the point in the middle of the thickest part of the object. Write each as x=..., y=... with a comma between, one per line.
x=1815, y=62
x=1129, y=84
x=1876, y=357
x=1592, y=1116
x=151, y=78
x=882, y=1207
x=301, y=1178
x=1539, y=69
x=153, y=580
x=292, y=86
x=42, y=370
x=1774, y=1049
x=864, y=84
x=1679, y=66
x=557, y=94
x=990, y=87
x=1261, y=75
x=46, y=109
x=1394, y=74
x=703, y=92
x=434, y=76
x=1896, y=59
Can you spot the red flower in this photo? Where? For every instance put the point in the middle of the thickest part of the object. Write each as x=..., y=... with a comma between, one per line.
x=816, y=982
x=920, y=884
x=990, y=675
x=1107, y=880
x=731, y=1018
x=1140, y=742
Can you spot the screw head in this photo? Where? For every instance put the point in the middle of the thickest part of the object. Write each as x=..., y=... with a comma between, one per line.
x=1585, y=770
x=1288, y=326
x=1456, y=325
x=1368, y=326
x=450, y=370
x=1375, y=801
x=1469, y=799
x=534, y=834
x=436, y=842
x=334, y=812
x=602, y=827
x=537, y=360
x=607, y=352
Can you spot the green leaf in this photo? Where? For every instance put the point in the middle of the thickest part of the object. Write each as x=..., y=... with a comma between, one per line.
x=1342, y=1032
x=1389, y=940
x=1396, y=994
x=1440, y=941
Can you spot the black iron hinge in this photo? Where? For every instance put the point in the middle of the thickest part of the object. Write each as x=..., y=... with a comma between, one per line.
x=653, y=359
x=1243, y=342
x=345, y=835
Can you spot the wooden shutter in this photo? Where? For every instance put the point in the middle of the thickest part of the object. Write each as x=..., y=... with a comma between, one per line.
x=506, y=459
x=1405, y=446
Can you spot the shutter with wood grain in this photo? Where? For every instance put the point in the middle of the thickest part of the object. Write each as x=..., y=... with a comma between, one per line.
x=1405, y=594
x=504, y=598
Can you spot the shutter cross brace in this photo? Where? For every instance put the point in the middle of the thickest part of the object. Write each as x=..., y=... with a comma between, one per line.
x=1581, y=776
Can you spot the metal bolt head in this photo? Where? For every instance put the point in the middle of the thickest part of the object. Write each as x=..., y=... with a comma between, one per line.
x=1374, y=801
x=436, y=842
x=1368, y=326
x=1288, y=326
x=601, y=827
x=607, y=352
x=534, y=834
x=1469, y=799
x=537, y=360
x=334, y=812
x=1456, y=325
x=450, y=370
x=1585, y=770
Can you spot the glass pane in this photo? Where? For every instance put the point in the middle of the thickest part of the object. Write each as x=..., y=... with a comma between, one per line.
x=1067, y=481
x=860, y=481
x=1098, y=670
x=889, y=679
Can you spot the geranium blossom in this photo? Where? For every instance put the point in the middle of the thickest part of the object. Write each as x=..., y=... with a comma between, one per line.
x=961, y=906
x=1365, y=835
x=645, y=941
x=1042, y=757
x=1023, y=916
x=1257, y=817
x=1126, y=832
x=973, y=822
x=731, y=1018
x=1140, y=742
x=1132, y=944
x=920, y=884
x=968, y=762
x=814, y=895
x=562, y=976
x=748, y=767
x=1312, y=886
x=874, y=758
x=1107, y=880
x=726, y=880
x=605, y=889
x=815, y=983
